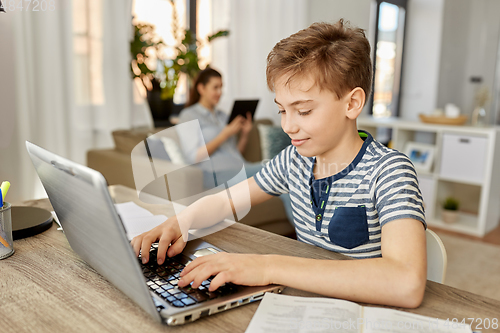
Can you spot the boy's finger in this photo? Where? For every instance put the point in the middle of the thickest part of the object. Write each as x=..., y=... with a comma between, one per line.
x=146, y=247
x=176, y=247
x=162, y=248
x=136, y=245
x=217, y=281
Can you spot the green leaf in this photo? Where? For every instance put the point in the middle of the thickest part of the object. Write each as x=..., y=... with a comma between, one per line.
x=220, y=33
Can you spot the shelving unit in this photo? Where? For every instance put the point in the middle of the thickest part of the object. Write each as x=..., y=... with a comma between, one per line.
x=466, y=166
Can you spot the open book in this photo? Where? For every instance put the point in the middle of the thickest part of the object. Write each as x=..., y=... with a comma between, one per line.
x=283, y=313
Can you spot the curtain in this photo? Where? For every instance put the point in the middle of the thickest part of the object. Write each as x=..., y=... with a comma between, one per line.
x=72, y=85
x=255, y=27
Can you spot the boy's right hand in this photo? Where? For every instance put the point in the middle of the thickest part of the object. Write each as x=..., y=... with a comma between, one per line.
x=167, y=234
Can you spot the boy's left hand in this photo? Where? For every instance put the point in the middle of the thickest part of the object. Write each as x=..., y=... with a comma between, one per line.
x=242, y=269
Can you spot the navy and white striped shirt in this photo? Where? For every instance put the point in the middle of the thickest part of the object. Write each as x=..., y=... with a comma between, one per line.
x=379, y=186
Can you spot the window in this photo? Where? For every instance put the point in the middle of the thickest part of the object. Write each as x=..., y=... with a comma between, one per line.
x=88, y=52
x=159, y=13
x=389, y=45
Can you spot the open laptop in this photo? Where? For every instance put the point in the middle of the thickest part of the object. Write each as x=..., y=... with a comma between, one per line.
x=80, y=198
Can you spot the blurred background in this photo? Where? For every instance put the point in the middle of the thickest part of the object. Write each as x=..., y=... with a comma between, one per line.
x=74, y=71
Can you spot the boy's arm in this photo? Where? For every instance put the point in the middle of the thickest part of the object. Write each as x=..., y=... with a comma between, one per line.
x=396, y=279
x=203, y=213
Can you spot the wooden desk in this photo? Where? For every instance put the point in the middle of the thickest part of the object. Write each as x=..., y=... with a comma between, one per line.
x=46, y=287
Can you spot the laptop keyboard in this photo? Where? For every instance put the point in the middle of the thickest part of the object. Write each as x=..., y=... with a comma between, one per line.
x=163, y=279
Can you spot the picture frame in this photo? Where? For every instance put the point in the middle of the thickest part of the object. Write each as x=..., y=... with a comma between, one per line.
x=421, y=155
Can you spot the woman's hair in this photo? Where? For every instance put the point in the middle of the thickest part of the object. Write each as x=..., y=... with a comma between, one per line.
x=336, y=55
x=203, y=77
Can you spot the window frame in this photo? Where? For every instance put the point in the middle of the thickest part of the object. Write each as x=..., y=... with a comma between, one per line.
x=402, y=4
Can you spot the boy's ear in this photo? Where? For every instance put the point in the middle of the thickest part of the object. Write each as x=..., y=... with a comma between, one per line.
x=356, y=102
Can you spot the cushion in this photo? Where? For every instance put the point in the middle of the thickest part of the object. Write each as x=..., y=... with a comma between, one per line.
x=253, y=152
x=126, y=140
x=157, y=148
x=272, y=140
x=173, y=150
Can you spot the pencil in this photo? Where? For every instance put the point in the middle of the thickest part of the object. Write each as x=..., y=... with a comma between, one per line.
x=4, y=242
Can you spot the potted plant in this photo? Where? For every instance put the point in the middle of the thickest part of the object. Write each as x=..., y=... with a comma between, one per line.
x=160, y=74
x=450, y=210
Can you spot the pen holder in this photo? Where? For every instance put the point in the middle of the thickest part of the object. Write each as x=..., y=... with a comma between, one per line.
x=6, y=242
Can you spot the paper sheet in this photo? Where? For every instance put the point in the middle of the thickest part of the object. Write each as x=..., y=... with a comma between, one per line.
x=131, y=209
x=283, y=313
x=136, y=219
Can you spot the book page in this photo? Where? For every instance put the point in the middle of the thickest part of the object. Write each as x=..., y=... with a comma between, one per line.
x=291, y=314
x=387, y=320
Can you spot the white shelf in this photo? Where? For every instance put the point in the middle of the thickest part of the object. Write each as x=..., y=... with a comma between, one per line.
x=447, y=180
x=467, y=223
x=461, y=181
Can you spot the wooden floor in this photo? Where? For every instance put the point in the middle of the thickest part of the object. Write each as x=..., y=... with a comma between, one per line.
x=493, y=237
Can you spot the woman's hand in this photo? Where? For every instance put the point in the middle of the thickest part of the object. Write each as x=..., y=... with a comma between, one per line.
x=233, y=127
x=242, y=269
x=169, y=236
x=247, y=124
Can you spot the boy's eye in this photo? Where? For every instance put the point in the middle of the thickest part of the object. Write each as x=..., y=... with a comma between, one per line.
x=281, y=111
x=304, y=113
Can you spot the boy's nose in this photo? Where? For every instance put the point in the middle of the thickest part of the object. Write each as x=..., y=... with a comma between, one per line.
x=289, y=125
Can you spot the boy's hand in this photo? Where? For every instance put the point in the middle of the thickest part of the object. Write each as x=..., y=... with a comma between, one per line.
x=167, y=234
x=243, y=269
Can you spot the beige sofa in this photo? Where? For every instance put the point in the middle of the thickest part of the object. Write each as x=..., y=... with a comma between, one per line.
x=187, y=184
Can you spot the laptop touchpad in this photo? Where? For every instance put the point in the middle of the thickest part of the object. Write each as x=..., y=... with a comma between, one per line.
x=205, y=252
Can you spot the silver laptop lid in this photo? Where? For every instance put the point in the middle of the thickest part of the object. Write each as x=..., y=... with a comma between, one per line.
x=80, y=198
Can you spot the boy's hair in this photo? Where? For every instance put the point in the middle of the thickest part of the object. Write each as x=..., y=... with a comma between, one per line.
x=337, y=55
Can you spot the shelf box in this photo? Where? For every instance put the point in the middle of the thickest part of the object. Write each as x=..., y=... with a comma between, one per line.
x=463, y=157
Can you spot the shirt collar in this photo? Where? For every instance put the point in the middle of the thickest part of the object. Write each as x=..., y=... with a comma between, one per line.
x=367, y=138
x=206, y=111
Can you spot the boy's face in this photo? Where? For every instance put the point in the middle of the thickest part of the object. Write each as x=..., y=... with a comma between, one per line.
x=314, y=119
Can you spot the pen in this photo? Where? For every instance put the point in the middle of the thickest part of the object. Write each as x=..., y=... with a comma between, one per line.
x=3, y=241
x=5, y=188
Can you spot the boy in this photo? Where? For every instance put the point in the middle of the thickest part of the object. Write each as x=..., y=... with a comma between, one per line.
x=349, y=193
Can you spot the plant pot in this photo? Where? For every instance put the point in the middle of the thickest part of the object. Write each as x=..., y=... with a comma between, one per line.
x=161, y=109
x=450, y=216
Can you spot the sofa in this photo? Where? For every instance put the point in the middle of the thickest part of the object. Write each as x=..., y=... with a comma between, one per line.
x=185, y=182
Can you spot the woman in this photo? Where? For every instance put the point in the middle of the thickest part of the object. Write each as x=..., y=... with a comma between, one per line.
x=217, y=138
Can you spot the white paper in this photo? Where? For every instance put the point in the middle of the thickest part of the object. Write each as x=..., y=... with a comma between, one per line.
x=378, y=320
x=137, y=225
x=290, y=314
x=283, y=313
x=136, y=219
x=131, y=209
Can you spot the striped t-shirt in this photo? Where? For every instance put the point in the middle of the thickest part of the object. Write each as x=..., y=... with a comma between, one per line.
x=379, y=186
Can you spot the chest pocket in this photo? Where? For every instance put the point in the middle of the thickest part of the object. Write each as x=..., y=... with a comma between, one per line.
x=349, y=227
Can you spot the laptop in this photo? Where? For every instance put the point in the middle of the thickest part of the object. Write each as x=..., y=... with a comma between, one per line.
x=85, y=209
x=241, y=107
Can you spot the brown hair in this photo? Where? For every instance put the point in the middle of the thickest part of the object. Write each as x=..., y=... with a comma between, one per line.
x=337, y=55
x=203, y=77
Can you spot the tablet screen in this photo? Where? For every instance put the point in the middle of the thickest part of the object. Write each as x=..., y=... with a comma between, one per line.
x=241, y=107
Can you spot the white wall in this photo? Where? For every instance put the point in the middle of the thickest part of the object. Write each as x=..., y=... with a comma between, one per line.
x=357, y=12
x=421, y=58
x=422, y=53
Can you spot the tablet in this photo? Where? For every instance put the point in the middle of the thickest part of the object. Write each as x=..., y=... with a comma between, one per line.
x=241, y=107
